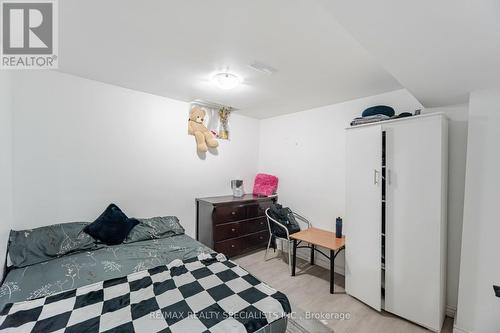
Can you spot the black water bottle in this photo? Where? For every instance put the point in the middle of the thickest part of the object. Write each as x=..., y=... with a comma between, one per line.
x=338, y=227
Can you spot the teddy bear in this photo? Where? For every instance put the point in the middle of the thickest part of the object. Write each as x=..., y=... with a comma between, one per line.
x=204, y=138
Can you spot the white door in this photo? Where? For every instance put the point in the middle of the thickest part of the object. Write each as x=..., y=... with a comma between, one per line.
x=363, y=214
x=413, y=248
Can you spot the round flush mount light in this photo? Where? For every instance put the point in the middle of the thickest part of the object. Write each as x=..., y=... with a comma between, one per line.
x=226, y=81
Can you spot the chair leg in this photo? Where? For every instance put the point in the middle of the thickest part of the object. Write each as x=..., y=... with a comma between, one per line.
x=290, y=257
x=267, y=248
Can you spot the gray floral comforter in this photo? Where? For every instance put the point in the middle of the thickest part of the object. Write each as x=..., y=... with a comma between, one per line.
x=79, y=269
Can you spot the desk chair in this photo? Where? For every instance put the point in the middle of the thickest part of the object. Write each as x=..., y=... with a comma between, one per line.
x=286, y=239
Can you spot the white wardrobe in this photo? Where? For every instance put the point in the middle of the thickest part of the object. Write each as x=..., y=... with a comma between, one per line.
x=395, y=223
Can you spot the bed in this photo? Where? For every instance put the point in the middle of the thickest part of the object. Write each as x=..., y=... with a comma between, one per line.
x=40, y=296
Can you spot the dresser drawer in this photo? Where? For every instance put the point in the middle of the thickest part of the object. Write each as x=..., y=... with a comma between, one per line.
x=230, y=247
x=252, y=226
x=235, y=246
x=260, y=238
x=223, y=214
x=258, y=210
x=237, y=229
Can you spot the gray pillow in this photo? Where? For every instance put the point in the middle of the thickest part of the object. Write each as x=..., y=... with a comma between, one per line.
x=154, y=228
x=32, y=246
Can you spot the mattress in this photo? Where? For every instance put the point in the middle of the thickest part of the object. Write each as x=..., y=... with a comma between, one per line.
x=207, y=293
x=78, y=270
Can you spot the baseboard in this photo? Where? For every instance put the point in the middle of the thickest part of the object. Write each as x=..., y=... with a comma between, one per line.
x=451, y=311
x=319, y=260
x=459, y=330
x=322, y=262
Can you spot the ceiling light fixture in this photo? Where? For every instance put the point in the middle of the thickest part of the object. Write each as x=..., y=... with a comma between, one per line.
x=226, y=81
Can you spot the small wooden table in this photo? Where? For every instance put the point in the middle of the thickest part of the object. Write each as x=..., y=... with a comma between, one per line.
x=318, y=237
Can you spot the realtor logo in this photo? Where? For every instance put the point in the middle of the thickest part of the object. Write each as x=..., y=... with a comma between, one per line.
x=29, y=34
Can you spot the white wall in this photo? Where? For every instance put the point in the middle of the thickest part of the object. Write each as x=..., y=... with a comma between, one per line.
x=478, y=308
x=5, y=163
x=306, y=150
x=80, y=145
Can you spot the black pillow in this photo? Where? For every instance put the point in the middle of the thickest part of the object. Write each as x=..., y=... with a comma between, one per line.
x=111, y=227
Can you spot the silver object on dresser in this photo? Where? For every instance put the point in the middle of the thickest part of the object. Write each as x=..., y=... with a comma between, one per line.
x=237, y=187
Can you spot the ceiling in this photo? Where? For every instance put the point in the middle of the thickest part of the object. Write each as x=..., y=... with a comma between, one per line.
x=324, y=51
x=172, y=48
x=439, y=50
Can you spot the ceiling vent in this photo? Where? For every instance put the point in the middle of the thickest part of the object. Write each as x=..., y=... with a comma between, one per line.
x=262, y=68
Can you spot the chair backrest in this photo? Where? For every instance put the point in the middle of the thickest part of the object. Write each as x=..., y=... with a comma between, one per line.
x=272, y=220
x=302, y=219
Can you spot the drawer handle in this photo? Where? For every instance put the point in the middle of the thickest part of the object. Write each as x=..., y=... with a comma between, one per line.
x=261, y=223
x=233, y=213
x=232, y=245
x=261, y=237
x=233, y=230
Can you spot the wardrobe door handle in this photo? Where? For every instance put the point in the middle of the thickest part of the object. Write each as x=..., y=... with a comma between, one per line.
x=375, y=177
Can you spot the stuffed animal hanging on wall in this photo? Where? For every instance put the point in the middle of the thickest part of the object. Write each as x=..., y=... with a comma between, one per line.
x=204, y=138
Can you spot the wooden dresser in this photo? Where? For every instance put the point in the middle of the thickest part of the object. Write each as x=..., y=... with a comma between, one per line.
x=233, y=225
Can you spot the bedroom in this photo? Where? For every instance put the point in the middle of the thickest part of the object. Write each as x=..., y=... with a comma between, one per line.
x=109, y=124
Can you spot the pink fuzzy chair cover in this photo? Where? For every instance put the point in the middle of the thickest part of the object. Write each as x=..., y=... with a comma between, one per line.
x=265, y=185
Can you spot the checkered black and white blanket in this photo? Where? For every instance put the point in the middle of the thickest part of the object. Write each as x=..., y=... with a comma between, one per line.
x=204, y=294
